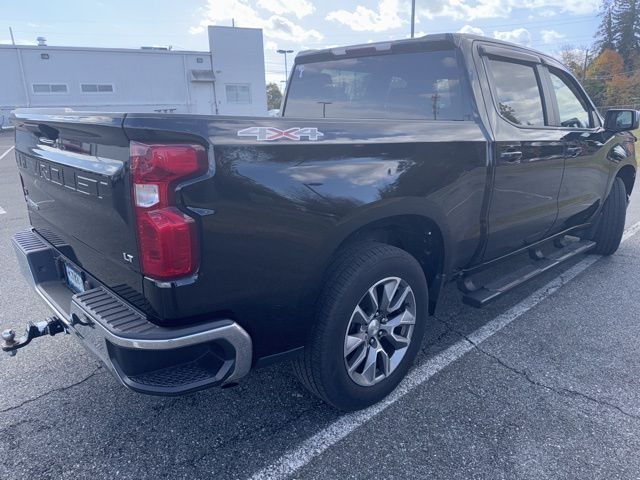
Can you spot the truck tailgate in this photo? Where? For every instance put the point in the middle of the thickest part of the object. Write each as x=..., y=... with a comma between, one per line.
x=74, y=170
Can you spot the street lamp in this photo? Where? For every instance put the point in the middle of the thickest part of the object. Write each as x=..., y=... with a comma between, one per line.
x=413, y=18
x=286, y=70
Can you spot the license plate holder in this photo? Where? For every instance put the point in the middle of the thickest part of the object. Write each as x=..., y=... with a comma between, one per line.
x=74, y=278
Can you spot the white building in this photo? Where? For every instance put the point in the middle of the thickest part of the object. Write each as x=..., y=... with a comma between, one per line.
x=227, y=80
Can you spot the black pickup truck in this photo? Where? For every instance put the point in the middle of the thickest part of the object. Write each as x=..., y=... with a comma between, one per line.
x=185, y=250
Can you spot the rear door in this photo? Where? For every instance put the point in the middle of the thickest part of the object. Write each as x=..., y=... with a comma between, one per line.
x=528, y=150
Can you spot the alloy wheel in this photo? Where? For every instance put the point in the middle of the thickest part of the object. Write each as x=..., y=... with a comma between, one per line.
x=379, y=331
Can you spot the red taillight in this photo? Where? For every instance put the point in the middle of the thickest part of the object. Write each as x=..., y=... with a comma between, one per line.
x=167, y=238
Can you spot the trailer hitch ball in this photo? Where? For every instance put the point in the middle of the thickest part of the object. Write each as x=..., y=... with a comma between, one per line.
x=9, y=336
x=50, y=326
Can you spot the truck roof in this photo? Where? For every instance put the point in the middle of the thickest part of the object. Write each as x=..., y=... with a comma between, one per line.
x=452, y=38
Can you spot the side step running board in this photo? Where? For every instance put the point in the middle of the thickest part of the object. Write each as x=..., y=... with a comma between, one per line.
x=481, y=296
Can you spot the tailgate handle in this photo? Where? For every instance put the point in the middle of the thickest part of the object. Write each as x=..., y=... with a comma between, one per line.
x=48, y=134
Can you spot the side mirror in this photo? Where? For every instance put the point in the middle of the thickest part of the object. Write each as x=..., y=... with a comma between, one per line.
x=622, y=120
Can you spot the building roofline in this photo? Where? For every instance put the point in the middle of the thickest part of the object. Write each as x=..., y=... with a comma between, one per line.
x=44, y=49
x=229, y=27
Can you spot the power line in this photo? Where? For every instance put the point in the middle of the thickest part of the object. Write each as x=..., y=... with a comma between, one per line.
x=613, y=75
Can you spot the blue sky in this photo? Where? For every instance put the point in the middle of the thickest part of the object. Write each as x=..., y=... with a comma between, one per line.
x=547, y=25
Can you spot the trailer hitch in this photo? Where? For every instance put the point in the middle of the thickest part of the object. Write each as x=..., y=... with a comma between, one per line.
x=50, y=326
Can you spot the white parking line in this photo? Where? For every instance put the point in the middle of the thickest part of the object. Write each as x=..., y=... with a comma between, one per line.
x=6, y=153
x=300, y=456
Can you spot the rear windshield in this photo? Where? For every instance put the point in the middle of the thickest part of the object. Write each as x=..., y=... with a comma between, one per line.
x=420, y=85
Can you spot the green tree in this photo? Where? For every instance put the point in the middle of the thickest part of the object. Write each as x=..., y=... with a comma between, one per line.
x=626, y=16
x=606, y=34
x=613, y=77
x=274, y=96
x=620, y=28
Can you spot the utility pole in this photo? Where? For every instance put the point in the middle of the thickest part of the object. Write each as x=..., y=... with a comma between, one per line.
x=586, y=61
x=23, y=77
x=413, y=18
x=286, y=68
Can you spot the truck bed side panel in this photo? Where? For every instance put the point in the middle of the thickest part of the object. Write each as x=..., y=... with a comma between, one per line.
x=283, y=206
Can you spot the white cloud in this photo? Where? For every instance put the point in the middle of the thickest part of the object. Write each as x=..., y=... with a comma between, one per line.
x=518, y=35
x=300, y=8
x=285, y=29
x=575, y=7
x=364, y=19
x=470, y=10
x=271, y=46
x=244, y=15
x=19, y=41
x=275, y=77
x=550, y=36
x=464, y=9
x=471, y=29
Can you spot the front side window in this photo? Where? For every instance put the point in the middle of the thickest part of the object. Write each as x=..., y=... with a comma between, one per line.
x=518, y=94
x=572, y=107
x=238, y=93
x=420, y=85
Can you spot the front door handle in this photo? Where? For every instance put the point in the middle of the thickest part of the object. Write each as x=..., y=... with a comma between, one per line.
x=574, y=151
x=511, y=156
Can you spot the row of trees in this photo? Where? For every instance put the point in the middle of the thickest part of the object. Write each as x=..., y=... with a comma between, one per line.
x=610, y=70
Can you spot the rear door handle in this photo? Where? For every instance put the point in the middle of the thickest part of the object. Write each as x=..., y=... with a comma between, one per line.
x=511, y=156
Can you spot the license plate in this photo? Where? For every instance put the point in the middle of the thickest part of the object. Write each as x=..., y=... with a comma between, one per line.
x=74, y=279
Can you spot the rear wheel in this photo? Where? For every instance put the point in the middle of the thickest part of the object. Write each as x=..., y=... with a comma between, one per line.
x=607, y=232
x=370, y=321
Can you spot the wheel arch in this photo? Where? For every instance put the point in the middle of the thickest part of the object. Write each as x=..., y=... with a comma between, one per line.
x=421, y=232
x=628, y=176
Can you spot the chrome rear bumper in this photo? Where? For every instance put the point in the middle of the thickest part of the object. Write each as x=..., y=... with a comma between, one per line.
x=144, y=356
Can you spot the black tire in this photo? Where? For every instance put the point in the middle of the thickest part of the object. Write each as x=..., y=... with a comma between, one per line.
x=607, y=232
x=322, y=366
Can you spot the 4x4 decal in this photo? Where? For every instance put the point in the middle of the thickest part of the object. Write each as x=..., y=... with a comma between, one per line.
x=271, y=133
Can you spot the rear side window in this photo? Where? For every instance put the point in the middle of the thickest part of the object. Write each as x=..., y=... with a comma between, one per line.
x=518, y=94
x=572, y=106
x=420, y=85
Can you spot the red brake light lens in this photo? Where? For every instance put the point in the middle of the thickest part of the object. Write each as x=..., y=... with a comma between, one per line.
x=167, y=243
x=157, y=163
x=167, y=238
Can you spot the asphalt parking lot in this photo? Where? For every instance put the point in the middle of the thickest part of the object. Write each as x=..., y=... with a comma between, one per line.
x=541, y=384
